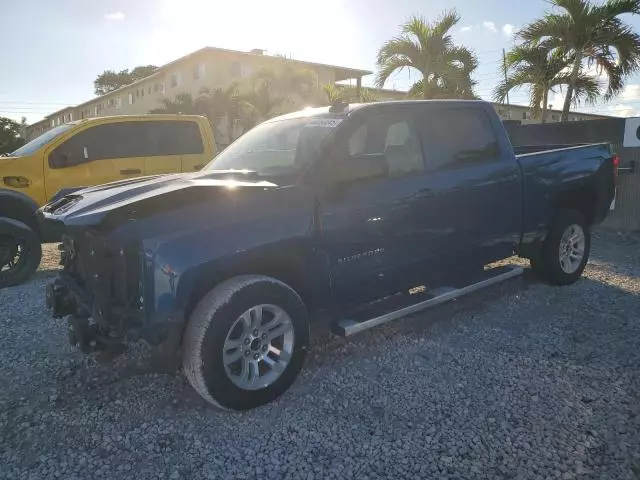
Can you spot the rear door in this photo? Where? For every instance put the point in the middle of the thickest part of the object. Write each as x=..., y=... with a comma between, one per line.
x=471, y=198
x=174, y=146
x=95, y=155
x=195, y=153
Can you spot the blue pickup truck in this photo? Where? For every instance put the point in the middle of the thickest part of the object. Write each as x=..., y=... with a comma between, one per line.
x=354, y=214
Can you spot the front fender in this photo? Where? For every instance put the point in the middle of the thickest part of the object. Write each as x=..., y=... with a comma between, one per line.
x=184, y=268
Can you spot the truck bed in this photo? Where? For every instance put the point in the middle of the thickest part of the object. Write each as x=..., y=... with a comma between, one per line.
x=550, y=170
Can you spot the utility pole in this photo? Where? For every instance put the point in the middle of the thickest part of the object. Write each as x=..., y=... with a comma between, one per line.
x=504, y=69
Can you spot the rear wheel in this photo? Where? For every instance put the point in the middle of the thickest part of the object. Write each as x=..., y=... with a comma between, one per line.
x=20, y=253
x=246, y=342
x=565, y=251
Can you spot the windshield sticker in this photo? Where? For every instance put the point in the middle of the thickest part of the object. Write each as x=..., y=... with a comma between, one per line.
x=324, y=122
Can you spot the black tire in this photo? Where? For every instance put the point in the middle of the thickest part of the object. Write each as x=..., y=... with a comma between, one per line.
x=213, y=319
x=547, y=265
x=13, y=233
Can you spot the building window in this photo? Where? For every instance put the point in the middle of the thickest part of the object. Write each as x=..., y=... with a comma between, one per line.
x=199, y=71
x=70, y=116
x=554, y=118
x=246, y=70
x=175, y=80
x=524, y=115
x=235, y=69
x=162, y=88
x=156, y=87
x=131, y=99
x=142, y=92
x=118, y=102
x=53, y=122
x=149, y=90
x=110, y=102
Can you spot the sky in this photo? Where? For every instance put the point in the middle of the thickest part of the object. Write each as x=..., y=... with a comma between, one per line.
x=54, y=50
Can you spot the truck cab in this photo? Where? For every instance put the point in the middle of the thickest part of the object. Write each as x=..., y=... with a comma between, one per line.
x=85, y=153
x=357, y=214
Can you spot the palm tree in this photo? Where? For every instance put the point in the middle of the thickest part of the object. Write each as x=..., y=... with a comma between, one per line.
x=587, y=32
x=287, y=80
x=542, y=71
x=262, y=101
x=334, y=93
x=182, y=103
x=216, y=105
x=428, y=48
x=368, y=95
x=337, y=93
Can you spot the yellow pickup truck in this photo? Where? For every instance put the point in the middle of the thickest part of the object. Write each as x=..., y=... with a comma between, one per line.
x=81, y=154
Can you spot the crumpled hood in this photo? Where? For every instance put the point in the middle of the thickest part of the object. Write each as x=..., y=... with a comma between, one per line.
x=159, y=191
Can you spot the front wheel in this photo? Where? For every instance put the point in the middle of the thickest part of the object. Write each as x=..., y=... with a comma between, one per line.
x=565, y=251
x=246, y=342
x=20, y=252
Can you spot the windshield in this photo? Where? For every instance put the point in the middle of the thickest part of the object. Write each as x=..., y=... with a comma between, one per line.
x=42, y=140
x=281, y=148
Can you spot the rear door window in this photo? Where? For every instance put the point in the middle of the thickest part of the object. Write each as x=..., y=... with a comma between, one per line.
x=174, y=137
x=457, y=137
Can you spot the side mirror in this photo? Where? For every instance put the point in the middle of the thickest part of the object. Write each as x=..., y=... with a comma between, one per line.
x=358, y=167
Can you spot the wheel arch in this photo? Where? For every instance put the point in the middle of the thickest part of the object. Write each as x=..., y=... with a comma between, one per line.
x=292, y=267
x=20, y=207
x=582, y=199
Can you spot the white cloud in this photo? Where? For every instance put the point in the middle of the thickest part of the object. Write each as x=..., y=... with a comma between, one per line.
x=621, y=110
x=466, y=28
x=490, y=26
x=114, y=16
x=631, y=92
x=509, y=30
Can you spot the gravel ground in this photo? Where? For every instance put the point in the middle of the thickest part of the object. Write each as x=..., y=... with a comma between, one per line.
x=519, y=381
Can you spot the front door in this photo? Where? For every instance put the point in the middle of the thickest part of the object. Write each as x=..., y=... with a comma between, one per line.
x=93, y=156
x=369, y=229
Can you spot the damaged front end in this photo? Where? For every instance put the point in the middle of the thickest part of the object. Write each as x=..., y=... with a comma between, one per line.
x=100, y=290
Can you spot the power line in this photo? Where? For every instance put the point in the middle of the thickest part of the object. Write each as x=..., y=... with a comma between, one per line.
x=4, y=102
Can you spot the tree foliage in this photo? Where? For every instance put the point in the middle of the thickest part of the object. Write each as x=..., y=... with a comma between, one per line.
x=542, y=71
x=428, y=48
x=110, y=80
x=586, y=33
x=10, y=135
x=335, y=93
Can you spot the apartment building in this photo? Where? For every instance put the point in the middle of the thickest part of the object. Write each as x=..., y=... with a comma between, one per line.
x=205, y=68
x=213, y=68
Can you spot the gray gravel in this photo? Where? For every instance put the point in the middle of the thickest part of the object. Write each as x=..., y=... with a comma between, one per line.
x=521, y=381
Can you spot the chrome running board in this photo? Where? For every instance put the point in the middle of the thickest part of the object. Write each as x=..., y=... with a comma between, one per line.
x=437, y=296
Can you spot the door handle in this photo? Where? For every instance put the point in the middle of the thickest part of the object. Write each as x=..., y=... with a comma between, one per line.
x=130, y=171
